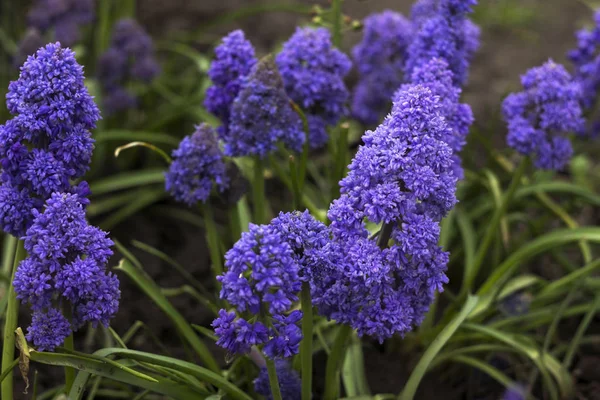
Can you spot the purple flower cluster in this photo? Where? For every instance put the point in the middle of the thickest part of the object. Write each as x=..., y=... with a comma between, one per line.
x=65, y=268
x=443, y=31
x=401, y=178
x=516, y=392
x=264, y=274
x=290, y=384
x=586, y=60
x=47, y=144
x=379, y=59
x=28, y=45
x=540, y=117
x=197, y=166
x=63, y=17
x=436, y=76
x=313, y=73
x=233, y=62
x=261, y=115
x=129, y=57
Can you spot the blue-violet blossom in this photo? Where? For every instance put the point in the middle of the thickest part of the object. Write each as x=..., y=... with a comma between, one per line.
x=47, y=144
x=63, y=17
x=313, y=73
x=66, y=268
x=130, y=57
x=234, y=59
x=443, y=31
x=379, y=59
x=197, y=166
x=290, y=384
x=540, y=117
x=261, y=115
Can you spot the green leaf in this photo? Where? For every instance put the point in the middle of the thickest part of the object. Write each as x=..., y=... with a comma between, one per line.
x=410, y=389
x=544, y=362
x=353, y=370
x=468, y=235
x=548, y=241
x=127, y=180
x=104, y=369
x=557, y=287
x=153, y=291
x=127, y=136
x=142, y=201
x=204, y=374
x=490, y=370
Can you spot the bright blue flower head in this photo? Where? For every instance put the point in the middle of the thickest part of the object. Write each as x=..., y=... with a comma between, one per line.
x=586, y=59
x=130, y=57
x=436, y=76
x=401, y=177
x=63, y=17
x=290, y=384
x=443, y=31
x=47, y=144
x=234, y=59
x=379, y=58
x=263, y=275
x=197, y=167
x=66, y=267
x=261, y=115
x=540, y=117
x=313, y=73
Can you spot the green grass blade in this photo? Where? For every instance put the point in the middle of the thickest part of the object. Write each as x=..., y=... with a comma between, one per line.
x=127, y=180
x=488, y=369
x=410, y=389
x=128, y=136
x=153, y=291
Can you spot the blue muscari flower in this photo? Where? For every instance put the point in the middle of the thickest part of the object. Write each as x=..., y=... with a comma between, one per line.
x=540, y=117
x=436, y=76
x=379, y=59
x=66, y=267
x=263, y=275
x=234, y=59
x=313, y=73
x=63, y=17
x=47, y=145
x=262, y=116
x=586, y=60
x=197, y=166
x=130, y=57
x=516, y=392
x=443, y=31
x=400, y=177
x=290, y=384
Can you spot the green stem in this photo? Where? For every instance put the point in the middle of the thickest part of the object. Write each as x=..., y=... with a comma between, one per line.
x=496, y=217
x=580, y=332
x=301, y=168
x=341, y=159
x=258, y=191
x=235, y=223
x=10, y=324
x=336, y=10
x=306, y=345
x=273, y=381
x=69, y=345
x=212, y=238
x=334, y=362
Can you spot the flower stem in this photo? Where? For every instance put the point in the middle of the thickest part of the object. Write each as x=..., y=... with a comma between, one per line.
x=273, y=381
x=384, y=235
x=69, y=345
x=212, y=238
x=258, y=191
x=334, y=362
x=11, y=322
x=336, y=9
x=306, y=345
x=495, y=221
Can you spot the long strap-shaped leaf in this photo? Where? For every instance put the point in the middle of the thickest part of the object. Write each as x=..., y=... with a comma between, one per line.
x=410, y=389
x=205, y=375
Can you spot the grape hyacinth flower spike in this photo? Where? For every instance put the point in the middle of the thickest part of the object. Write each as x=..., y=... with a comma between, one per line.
x=66, y=269
x=541, y=116
x=289, y=382
x=402, y=179
x=130, y=57
x=234, y=59
x=47, y=145
x=261, y=115
x=64, y=18
x=379, y=59
x=443, y=31
x=198, y=165
x=313, y=73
